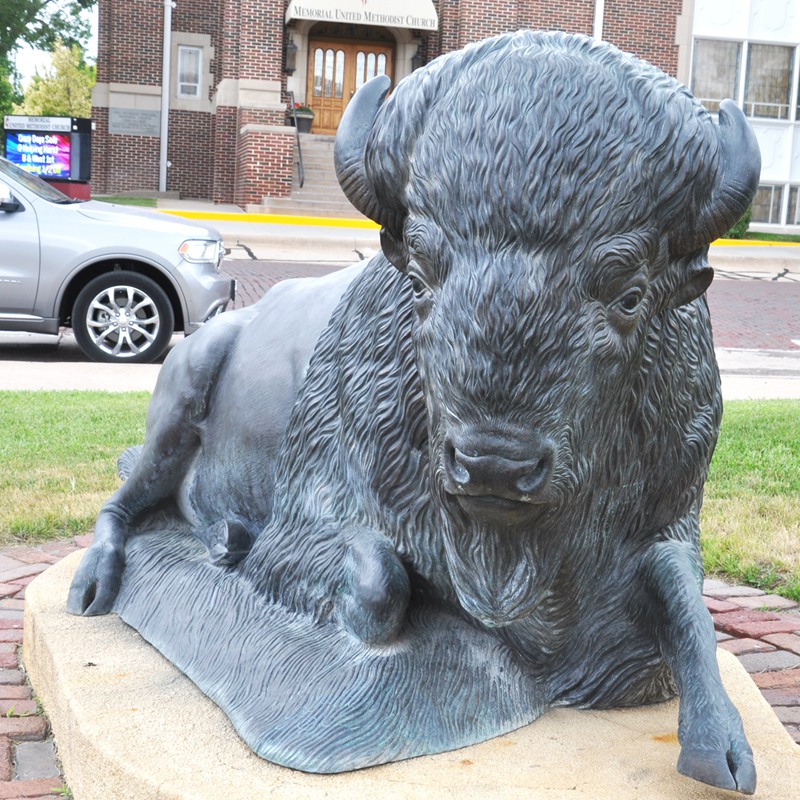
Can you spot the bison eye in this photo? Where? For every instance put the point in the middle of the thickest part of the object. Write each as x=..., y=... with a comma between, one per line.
x=418, y=285
x=629, y=302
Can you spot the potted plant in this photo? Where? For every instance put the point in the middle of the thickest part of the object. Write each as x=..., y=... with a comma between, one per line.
x=304, y=116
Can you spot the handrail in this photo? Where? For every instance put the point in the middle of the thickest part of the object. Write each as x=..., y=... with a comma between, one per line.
x=301, y=175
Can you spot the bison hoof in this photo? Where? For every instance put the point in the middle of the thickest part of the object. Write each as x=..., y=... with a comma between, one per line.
x=732, y=770
x=227, y=542
x=373, y=600
x=96, y=583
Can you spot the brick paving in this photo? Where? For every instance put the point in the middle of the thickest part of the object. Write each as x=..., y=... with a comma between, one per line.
x=765, y=638
x=28, y=764
x=758, y=313
x=255, y=277
x=755, y=314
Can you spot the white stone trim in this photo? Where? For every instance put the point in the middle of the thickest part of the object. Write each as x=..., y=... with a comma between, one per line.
x=249, y=93
x=256, y=128
x=126, y=95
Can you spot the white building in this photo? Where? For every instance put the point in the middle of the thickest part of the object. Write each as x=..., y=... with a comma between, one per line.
x=749, y=50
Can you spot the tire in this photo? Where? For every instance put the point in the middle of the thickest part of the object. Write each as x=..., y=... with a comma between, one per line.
x=123, y=317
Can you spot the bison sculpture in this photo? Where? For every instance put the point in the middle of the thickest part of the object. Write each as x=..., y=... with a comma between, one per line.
x=414, y=504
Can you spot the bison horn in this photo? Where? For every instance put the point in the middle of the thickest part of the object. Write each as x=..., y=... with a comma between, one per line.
x=738, y=177
x=350, y=147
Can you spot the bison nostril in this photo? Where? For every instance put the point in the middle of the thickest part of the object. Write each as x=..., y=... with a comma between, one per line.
x=536, y=476
x=458, y=472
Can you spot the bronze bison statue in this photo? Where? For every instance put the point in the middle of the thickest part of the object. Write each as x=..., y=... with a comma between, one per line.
x=415, y=504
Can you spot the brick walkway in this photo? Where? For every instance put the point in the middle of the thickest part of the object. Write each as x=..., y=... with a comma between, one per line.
x=28, y=767
x=752, y=314
x=763, y=630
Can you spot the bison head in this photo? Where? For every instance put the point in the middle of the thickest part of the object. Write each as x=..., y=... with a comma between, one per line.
x=551, y=201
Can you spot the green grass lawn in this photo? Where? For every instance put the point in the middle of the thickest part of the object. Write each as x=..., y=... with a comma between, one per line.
x=59, y=453
x=751, y=514
x=771, y=237
x=127, y=200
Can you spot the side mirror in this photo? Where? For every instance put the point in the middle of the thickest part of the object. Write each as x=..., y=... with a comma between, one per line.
x=8, y=202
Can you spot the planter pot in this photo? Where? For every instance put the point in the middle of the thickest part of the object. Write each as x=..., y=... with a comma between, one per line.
x=304, y=122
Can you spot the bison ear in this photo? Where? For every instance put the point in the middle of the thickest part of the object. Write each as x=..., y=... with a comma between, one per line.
x=394, y=249
x=699, y=280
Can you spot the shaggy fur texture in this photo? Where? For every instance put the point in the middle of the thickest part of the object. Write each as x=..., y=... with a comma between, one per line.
x=486, y=500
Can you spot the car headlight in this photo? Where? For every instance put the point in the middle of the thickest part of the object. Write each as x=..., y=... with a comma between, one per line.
x=209, y=251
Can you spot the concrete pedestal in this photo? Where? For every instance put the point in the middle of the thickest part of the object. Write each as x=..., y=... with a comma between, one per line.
x=127, y=724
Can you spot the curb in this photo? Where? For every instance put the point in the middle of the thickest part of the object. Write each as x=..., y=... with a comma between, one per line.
x=273, y=219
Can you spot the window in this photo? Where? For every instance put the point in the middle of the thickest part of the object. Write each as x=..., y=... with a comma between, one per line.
x=328, y=73
x=190, y=62
x=368, y=65
x=769, y=76
x=767, y=204
x=794, y=206
x=715, y=72
x=797, y=110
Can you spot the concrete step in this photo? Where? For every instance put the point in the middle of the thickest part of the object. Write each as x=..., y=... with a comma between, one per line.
x=316, y=183
x=306, y=208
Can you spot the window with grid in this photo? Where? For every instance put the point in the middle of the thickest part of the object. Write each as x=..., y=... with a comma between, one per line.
x=769, y=81
x=190, y=62
x=794, y=206
x=715, y=71
x=767, y=204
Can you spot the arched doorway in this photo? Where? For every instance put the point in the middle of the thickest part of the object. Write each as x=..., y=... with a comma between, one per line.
x=340, y=59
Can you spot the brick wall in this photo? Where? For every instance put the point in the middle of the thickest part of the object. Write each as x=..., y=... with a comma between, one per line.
x=264, y=166
x=210, y=158
x=130, y=41
x=261, y=39
x=205, y=17
x=192, y=159
x=646, y=29
x=132, y=164
x=574, y=16
x=99, y=179
x=478, y=19
x=230, y=23
x=465, y=21
x=225, y=130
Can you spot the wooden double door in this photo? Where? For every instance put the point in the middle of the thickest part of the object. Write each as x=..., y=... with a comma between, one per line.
x=335, y=70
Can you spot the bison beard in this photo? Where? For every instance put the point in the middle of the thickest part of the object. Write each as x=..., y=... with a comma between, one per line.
x=487, y=483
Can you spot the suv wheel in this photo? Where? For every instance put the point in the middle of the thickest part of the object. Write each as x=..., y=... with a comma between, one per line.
x=123, y=317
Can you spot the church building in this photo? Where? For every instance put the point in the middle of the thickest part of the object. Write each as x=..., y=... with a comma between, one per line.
x=193, y=96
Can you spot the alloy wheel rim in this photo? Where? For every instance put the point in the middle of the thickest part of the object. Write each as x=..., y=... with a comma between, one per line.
x=122, y=321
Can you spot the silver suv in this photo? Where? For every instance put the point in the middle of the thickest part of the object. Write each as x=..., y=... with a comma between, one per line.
x=124, y=279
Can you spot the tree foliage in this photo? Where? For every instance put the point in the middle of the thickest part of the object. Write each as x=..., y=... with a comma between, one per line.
x=9, y=90
x=64, y=90
x=40, y=24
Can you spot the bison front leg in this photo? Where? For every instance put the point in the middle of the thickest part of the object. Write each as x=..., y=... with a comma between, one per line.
x=372, y=600
x=714, y=748
x=174, y=419
x=155, y=477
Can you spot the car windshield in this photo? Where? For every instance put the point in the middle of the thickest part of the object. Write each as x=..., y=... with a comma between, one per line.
x=31, y=182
